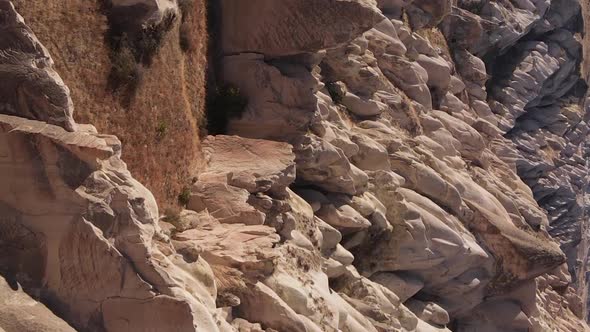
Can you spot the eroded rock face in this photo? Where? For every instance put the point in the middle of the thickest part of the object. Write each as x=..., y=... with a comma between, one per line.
x=293, y=26
x=428, y=122
x=78, y=232
x=31, y=88
x=91, y=230
x=255, y=165
x=20, y=312
x=400, y=166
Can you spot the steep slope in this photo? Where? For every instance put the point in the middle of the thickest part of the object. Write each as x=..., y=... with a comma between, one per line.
x=398, y=166
x=154, y=105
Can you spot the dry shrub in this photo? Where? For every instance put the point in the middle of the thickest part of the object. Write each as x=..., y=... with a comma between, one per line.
x=436, y=39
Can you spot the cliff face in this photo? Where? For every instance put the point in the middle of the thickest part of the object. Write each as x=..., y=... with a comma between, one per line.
x=146, y=87
x=398, y=166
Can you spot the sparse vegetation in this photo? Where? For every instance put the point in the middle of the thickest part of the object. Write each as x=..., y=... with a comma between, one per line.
x=436, y=39
x=150, y=38
x=225, y=103
x=132, y=49
x=161, y=130
x=406, y=20
x=169, y=89
x=229, y=280
x=125, y=71
x=184, y=196
x=172, y=216
x=185, y=39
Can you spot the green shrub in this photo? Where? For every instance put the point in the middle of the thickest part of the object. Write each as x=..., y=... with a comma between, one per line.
x=225, y=103
x=161, y=130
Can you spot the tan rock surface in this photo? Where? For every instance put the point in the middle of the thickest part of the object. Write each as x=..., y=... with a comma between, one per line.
x=394, y=171
x=21, y=313
x=311, y=25
x=85, y=232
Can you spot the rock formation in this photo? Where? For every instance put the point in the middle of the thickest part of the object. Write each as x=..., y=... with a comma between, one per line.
x=398, y=166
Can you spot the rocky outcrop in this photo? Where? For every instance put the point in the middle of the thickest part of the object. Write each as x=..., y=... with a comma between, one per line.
x=79, y=233
x=404, y=144
x=292, y=27
x=32, y=89
x=88, y=234
x=20, y=312
x=399, y=166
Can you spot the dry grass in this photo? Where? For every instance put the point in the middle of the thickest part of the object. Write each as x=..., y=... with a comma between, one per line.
x=171, y=90
x=436, y=39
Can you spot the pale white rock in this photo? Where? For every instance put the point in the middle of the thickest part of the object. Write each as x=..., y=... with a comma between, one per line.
x=404, y=286
x=410, y=76
x=427, y=13
x=361, y=107
x=254, y=165
x=425, y=203
x=263, y=305
x=429, y=312
x=20, y=312
x=313, y=197
x=384, y=38
x=333, y=268
x=342, y=255
x=452, y=104
x=342, y=216
x=456, y=85
x=439, y=72
x=247, y=248
x=326, y=166
x=227, y=203
x=372, y=156
x=107, y=225
x=331, y=236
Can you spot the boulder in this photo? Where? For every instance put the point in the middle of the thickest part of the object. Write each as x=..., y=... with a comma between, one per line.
x=227, y=203
x=294, y=26
x=262, y=304
x=248, y=248
x=84, y=232
x=251, y=164
x=20, y=312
